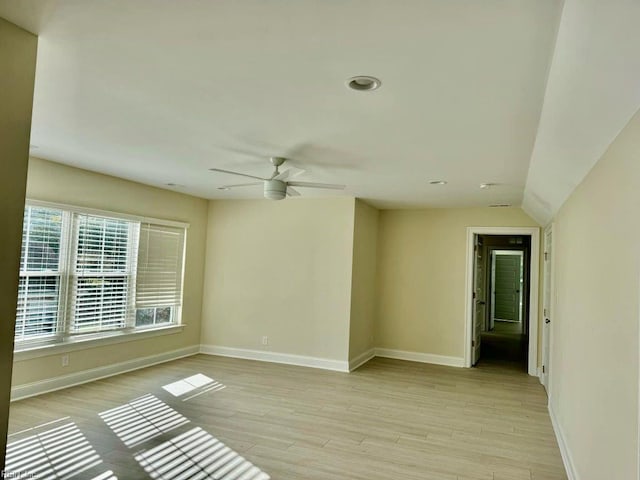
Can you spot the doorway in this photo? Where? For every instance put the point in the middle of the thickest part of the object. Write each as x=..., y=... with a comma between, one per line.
x=503, y=331
x=502, y=297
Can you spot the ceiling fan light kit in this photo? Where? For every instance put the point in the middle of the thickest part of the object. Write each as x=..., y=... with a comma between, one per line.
x=275, y=189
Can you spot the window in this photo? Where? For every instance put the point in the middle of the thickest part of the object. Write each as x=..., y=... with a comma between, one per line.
x=88, y=274
x=40, y=274
x=159, y=280
x=103, y=268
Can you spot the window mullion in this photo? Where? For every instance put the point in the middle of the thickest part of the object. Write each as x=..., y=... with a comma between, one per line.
x=132, y=270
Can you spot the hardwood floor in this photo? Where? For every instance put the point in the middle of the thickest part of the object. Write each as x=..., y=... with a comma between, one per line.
x=505, y=344
x=390, y=419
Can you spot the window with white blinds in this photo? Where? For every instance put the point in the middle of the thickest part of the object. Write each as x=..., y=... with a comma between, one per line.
x=103, y=270
x=91, y=274
x=40, y=274
x=160, y=255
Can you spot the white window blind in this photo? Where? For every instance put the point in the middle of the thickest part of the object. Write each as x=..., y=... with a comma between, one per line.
x=103, y=268
x=160, y=262
x=40, y=274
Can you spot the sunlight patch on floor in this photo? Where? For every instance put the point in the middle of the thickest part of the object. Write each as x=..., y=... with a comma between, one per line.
x=195, y=385
x=141, y=419
x=196, y=455
x=58, y=453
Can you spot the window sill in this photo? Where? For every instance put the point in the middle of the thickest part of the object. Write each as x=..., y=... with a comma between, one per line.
x=27, y=352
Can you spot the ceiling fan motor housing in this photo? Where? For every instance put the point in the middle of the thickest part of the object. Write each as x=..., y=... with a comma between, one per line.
x=275, y=189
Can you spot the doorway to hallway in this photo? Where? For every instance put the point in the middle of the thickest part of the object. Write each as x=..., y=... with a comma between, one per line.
x=502, y=273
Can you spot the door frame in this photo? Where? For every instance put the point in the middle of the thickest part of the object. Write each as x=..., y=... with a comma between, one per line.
x=547, y=341
x=492, y=288
x=534, y=285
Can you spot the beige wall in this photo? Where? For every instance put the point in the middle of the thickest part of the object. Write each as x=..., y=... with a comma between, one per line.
x=54, y=182
x=594, y=369
x=363, y=281
x=421, y=275
x=282, y=270
x=18, y=61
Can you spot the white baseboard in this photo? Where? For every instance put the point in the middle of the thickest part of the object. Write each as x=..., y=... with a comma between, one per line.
x=420, y=357
x=361, y=359
x=567, y=459
x=64, y=381
x=275, y=357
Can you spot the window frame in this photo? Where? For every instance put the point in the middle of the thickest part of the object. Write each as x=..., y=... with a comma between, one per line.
x=65, y=339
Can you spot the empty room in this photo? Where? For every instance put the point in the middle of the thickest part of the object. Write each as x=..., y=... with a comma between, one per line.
x=323, y=240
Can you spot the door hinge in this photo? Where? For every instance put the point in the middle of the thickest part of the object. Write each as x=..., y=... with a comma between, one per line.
x=542, y=368
x=546, y=256
x=474, y=295
x=473, y=343
x=545, y=312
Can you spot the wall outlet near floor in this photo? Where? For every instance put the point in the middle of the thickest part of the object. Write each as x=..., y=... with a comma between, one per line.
x=265, y=340
x=65, y=360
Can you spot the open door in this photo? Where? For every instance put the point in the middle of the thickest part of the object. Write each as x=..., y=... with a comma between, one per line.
x=546, y=325
x=479, y=302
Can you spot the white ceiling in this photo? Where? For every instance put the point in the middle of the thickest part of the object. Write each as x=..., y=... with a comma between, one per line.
x=160, y=91
x=592, y=92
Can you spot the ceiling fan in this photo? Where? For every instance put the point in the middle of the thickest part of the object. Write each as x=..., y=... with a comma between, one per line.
x=279, y=184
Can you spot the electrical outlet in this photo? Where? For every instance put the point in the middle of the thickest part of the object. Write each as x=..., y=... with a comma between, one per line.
x=65, y=360
x=265, y=340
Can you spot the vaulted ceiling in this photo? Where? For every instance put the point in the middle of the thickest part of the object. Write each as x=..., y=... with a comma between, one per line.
x=472, y=92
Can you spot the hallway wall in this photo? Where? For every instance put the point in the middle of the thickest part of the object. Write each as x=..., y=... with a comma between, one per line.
x=594, y=364
x=18, y=60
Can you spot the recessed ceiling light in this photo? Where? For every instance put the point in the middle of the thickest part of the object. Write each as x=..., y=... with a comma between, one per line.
x=171, y=184
x=224, y=188
x=438, y=182
x=487, y=185
x=500, y=205
x=363, y=83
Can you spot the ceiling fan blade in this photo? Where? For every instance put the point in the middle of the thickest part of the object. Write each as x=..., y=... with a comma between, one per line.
x=236, y=173
x=292, y=192
x=317, y=185
x=288, y=174
x=242, y=185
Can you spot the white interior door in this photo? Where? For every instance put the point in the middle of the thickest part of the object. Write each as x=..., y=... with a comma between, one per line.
x=479, y=302
x=546, y=325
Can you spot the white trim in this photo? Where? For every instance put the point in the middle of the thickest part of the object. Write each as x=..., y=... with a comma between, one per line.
x=567, y=459
x=275, y=357
x=361, y=359
x=534, y=272
x=329, y=364
x=71, y=344
x=104, y=213
x=546, y=379
x=65, y=381
x=420, y=357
